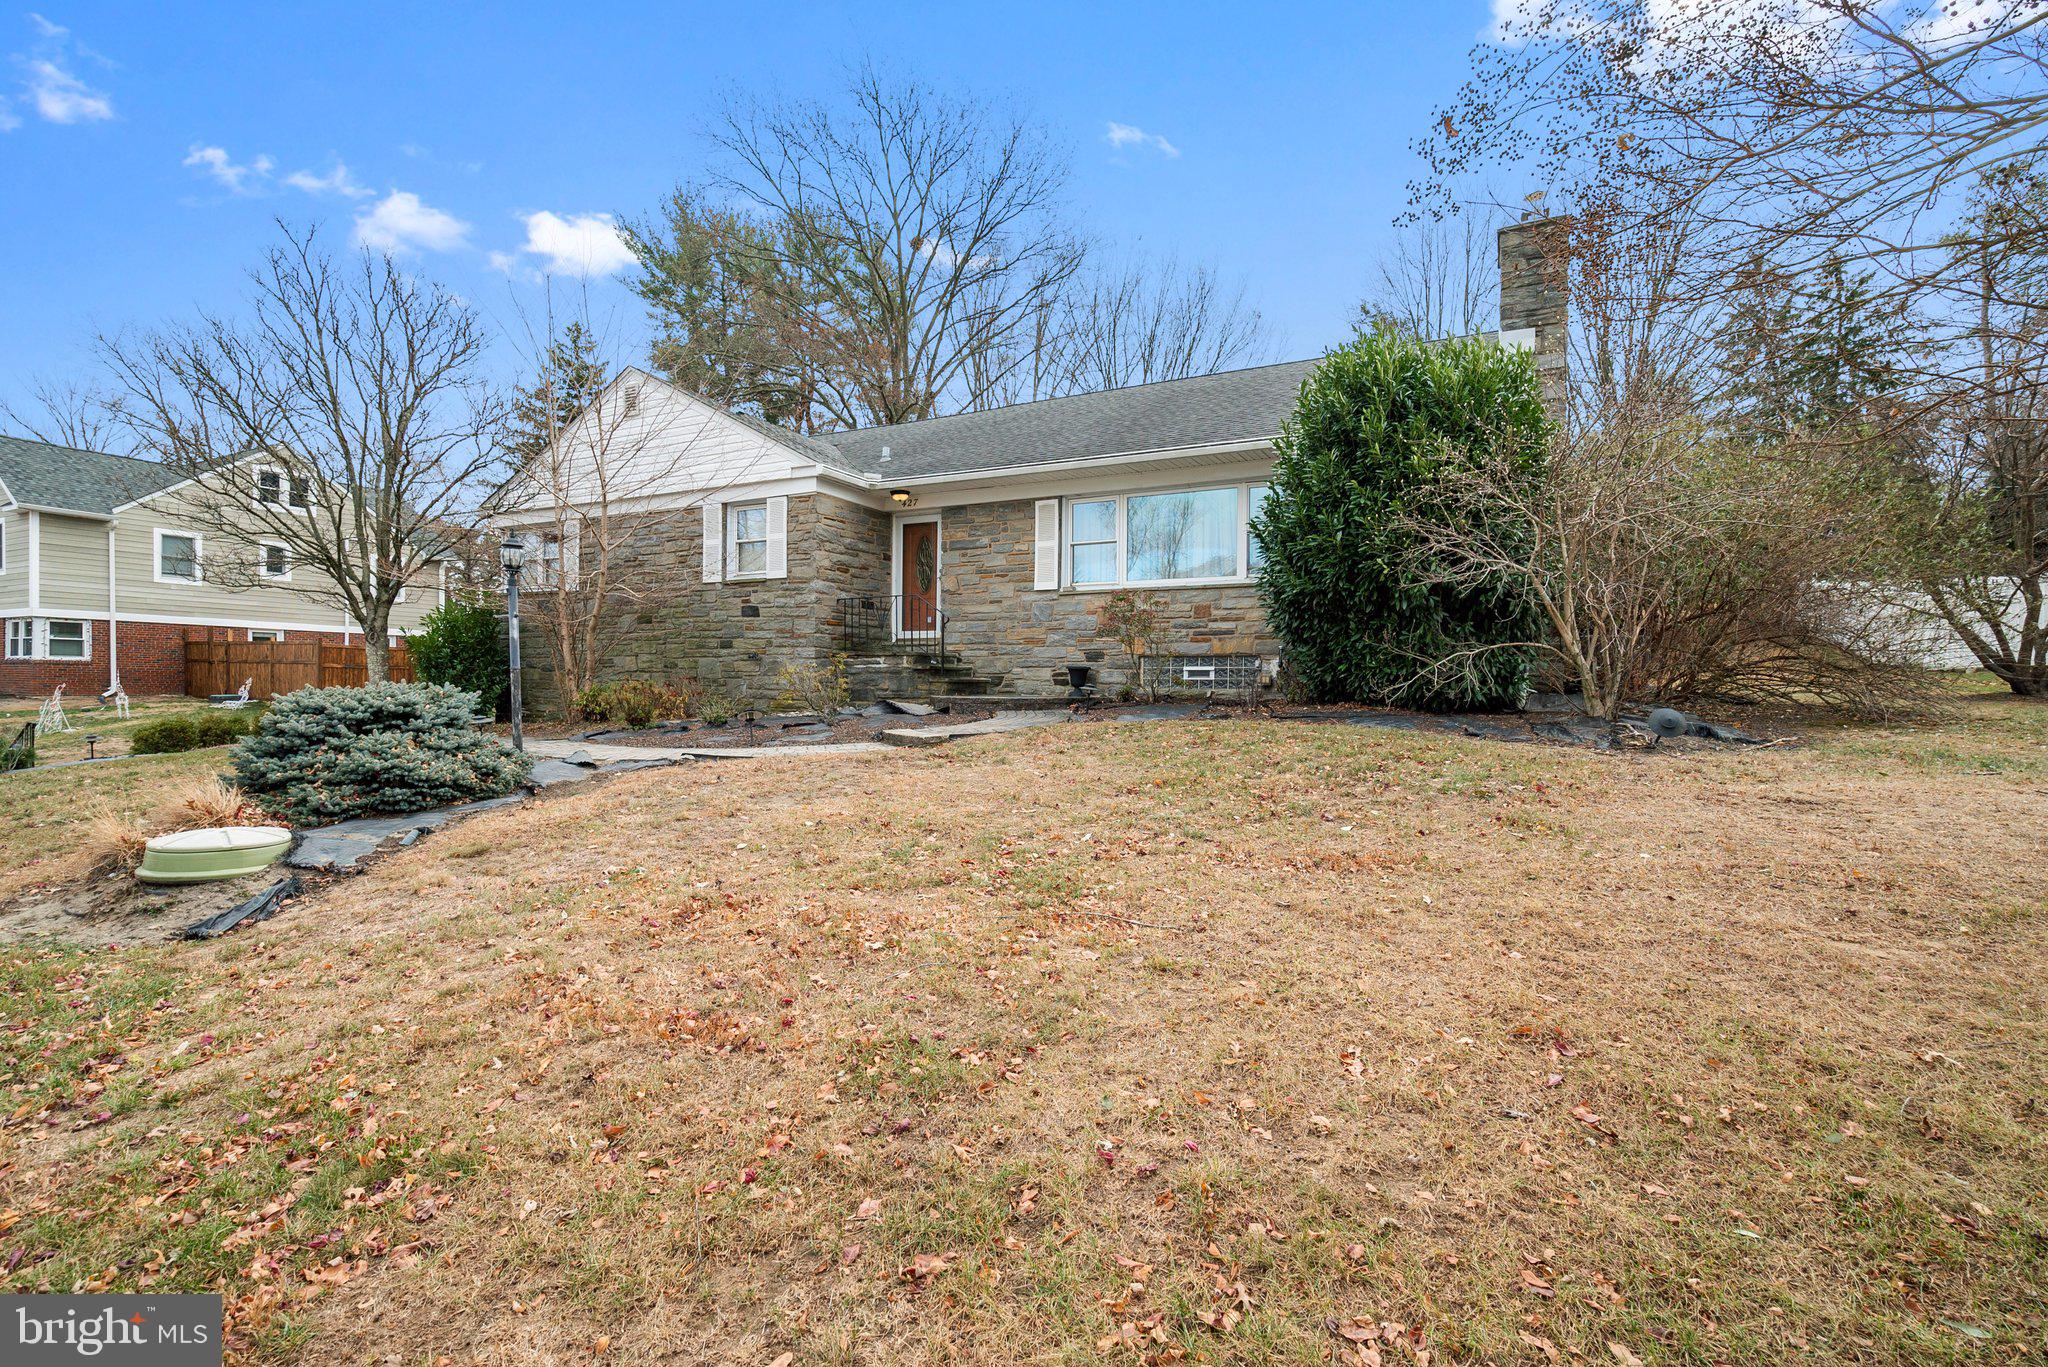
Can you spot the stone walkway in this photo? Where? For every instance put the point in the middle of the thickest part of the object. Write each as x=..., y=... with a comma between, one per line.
x=614, y=754
x=989, y=726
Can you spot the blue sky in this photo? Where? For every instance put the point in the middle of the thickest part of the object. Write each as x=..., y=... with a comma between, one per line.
x=146, y=149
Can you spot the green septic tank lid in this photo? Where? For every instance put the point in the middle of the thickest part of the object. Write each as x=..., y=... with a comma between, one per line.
x=212, y=854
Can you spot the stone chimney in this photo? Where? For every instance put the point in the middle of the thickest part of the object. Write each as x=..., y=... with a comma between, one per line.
x=1533, y=295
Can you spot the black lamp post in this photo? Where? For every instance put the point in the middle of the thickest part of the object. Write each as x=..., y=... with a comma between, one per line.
x=512, y=555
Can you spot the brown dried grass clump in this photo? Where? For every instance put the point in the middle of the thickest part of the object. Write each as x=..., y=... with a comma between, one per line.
x=111, y=842
x=210, y=802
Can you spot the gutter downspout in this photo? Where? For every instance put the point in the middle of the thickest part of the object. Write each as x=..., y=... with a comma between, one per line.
x=113, y=619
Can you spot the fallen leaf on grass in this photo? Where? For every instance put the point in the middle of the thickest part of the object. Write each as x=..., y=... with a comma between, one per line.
x=1539, y=1343
x=1622, y=1355
x=925, y=1266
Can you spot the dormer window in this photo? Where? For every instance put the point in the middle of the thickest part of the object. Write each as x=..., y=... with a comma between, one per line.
x=276, y=486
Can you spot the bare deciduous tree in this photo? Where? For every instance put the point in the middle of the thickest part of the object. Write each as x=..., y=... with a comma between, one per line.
x=887, y=245
x=1438, y=278
x=65, y=413
x=605, y=446
x=344, y=417
x=1115, y=325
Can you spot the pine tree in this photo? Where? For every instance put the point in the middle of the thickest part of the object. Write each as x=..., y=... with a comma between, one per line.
x=1800, y=355
x=571, y=378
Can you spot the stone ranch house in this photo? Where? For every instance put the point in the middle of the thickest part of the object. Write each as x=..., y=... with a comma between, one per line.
x=965, y=553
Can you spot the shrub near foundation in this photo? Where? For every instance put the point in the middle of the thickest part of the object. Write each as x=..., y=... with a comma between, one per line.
x=328, y=754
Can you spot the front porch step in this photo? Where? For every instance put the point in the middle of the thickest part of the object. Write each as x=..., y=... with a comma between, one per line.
x=870, y=677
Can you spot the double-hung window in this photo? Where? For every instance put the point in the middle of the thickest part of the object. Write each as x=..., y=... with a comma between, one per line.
x=1254, y=553
x=277, y=486
x=39, y=638
x=1182, y=536
x=1093, y=531
x=21, y=638
x=273, y=560
x=177, y=557
x=746, y=540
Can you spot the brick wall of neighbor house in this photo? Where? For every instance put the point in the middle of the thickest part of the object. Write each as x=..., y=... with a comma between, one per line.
x=734, y=638
x=152, y=661
x=999, y=624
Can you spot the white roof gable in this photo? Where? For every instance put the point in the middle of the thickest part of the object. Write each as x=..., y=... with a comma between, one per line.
x=645, y=438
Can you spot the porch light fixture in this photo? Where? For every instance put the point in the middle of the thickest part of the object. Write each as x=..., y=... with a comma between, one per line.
x=901, y=498
x=512, y=556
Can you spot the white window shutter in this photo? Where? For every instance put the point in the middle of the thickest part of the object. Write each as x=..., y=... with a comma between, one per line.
x=714, y=543
x=1045, y=559
x=778, y=538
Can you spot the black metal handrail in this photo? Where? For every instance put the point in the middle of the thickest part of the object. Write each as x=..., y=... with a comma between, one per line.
x=892, y=621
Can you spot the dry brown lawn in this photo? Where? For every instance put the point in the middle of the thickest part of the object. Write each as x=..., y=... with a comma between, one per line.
x=1210, y=1042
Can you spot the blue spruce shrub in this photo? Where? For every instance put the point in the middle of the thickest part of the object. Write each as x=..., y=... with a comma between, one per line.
x=1374, y=432
x=328, y=754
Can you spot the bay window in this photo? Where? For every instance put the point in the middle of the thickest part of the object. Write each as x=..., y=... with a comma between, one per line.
x=1182, y=536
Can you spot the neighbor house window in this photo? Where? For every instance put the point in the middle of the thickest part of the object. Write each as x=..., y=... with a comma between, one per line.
x=177, y=556
x=66, y=641
x=275, y=486
x=746, y=538
x=273, y=561
x=259, y=634
x=1185, y=536
x=21, y=638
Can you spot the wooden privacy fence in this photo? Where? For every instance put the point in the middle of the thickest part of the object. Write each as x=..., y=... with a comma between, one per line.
x=280, y=666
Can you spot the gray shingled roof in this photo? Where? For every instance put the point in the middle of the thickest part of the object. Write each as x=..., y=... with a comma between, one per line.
x=47, y=476
x=1229, y=406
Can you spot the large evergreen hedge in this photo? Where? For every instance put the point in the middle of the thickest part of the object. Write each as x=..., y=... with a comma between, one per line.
x=1376, y=428
x=328, y=754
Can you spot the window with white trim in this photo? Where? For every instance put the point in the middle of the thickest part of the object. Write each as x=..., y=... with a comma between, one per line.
x=1254, y=553
x=67, y=640
x=1161, y=539
x=177, y=556
x=746, y=540
x=277, y=486
x=273, y=560
x=1092, y=538
x=261, y=634
x=21, y=638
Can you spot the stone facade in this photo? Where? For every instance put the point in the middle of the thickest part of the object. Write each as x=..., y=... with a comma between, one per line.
x=736, y=637
x=997, y=622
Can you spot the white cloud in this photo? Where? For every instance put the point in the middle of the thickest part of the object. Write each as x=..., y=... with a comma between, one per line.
x=401, y=222
x=335, y=182
x=582, y=244
x=49, y=86
x=235, y=179
x=1122, y=135
x=61, y=97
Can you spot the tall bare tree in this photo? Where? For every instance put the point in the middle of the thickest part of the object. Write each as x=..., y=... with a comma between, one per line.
x=1781, y=142
x=344, y=416
x=1117, y=324
x=1438, y=277
x=66, y=413
x=884, y=243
